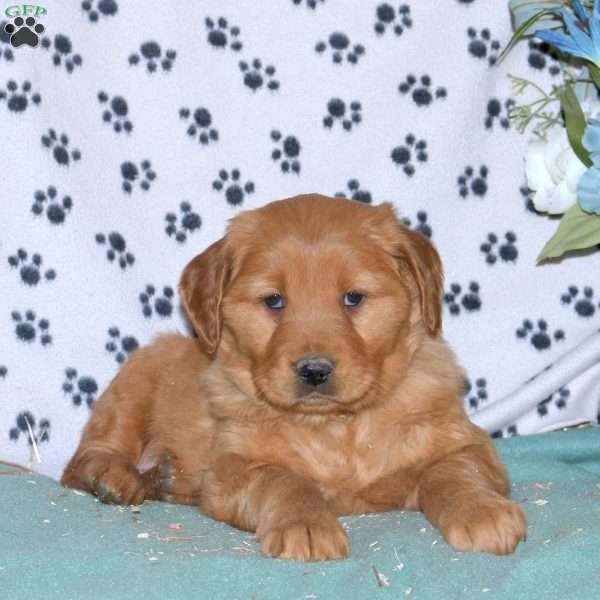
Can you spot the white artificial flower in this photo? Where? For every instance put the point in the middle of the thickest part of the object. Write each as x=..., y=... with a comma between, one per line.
x=553, y=171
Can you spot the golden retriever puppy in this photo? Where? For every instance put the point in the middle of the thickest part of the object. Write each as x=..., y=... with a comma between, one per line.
x=318, y=385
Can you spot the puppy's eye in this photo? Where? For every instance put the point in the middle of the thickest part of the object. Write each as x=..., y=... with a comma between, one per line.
x=275, y=302
x=353, y=298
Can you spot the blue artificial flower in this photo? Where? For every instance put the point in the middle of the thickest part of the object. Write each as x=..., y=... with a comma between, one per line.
x=583, y=32
x=588, y=188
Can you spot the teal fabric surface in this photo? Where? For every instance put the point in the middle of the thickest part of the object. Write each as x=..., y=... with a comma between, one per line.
x=57, y=543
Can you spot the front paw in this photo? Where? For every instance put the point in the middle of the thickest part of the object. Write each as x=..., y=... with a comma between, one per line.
x=308, y=539
x=485, y=523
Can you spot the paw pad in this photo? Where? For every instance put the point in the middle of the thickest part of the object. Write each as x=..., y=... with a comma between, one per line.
x=559, y=399
x=30, y=269
x=59, y=145
x=221, y=35
x=421, y=224
x=583, y=303
x=482, y=46
x=131, y=173
x=120, y=346
x=29, y=328
x=457, y=298
x=56, y=209
x=498, y=111
x=116, y=248
x=24, y=31
x=542, y=56
x=116, y=112
x=474, y=396
x=405, y=155
x=79, y=389
x=18, y=98
x=538, y=334
x=256, y=75
x=507, y=250
x=152, y=54
x=27, y=426
x=340, y=48
x=355, y=192
x=161, y=305
x=230, y=183
x=201, y=125
x=62, y=52
x=472, y=181
x=286, y=152
x=347, y=115
x=95, y=8
x=386, y=16
x=180, y=226
x=422, y=93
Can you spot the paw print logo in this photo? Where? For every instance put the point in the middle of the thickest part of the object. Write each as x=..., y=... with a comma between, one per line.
x=116, y=247
x=116, y=112
x=456, y=297
x=337, y=112
x=152, y=54
x=230, y=183
x=542, y=56
x=79, y=389
x=130, y=173
x=161, y=305
x=421, y=224
x=560, y=398
x=421, y=91
x=24, y=31
x=474, y=396
x=95, y=8
x=26, y=426
x=507, y=250
x=405, y=155
x=482, y=46
x=30, y=269
x=120, y=346
x=538, y=334
x=511, y=430
x=498, y=111
x=6, y=52
x=59, y=145
x=221, y=35
x=18, y=98
x=62, y=52
x=256, y=76
x=582, y=304
x=312, y=4
x=56, y=209
x=387, y=16
x=355, y=192
x=340, y=47
x=475, y=182
x=200, y=125
x=286, y=152
x=29, y=328
x=183, y=225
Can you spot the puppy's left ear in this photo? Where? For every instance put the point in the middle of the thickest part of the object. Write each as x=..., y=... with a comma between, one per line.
x=201, y=289
x=423, y=261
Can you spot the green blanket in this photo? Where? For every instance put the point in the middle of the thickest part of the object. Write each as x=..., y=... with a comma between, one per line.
x=57, y=543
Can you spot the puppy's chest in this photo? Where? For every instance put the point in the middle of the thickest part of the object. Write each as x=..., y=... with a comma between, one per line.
x=339, y=455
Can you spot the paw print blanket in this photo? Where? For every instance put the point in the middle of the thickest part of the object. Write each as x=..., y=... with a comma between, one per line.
x=132, y=131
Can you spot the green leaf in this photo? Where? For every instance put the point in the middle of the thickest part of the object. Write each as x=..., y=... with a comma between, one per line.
x=575, y=123
x=524, y=27
x=577, y=230
x=594, y=73
x=521, y=10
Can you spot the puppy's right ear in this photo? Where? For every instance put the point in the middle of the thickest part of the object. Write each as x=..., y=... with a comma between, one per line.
x=201, y=289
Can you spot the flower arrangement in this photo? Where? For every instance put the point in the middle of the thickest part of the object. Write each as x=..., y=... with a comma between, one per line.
x=563, y=155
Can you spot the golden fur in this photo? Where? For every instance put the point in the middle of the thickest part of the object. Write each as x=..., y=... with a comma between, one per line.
x=226, y=429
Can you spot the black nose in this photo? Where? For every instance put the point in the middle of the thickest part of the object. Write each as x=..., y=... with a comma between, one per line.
x=314, y=371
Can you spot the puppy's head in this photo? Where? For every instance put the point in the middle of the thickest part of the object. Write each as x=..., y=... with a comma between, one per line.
x=315, y=304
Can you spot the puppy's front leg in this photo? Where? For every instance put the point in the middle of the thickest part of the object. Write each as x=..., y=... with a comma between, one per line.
x=288, y=513
x=464, y=495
